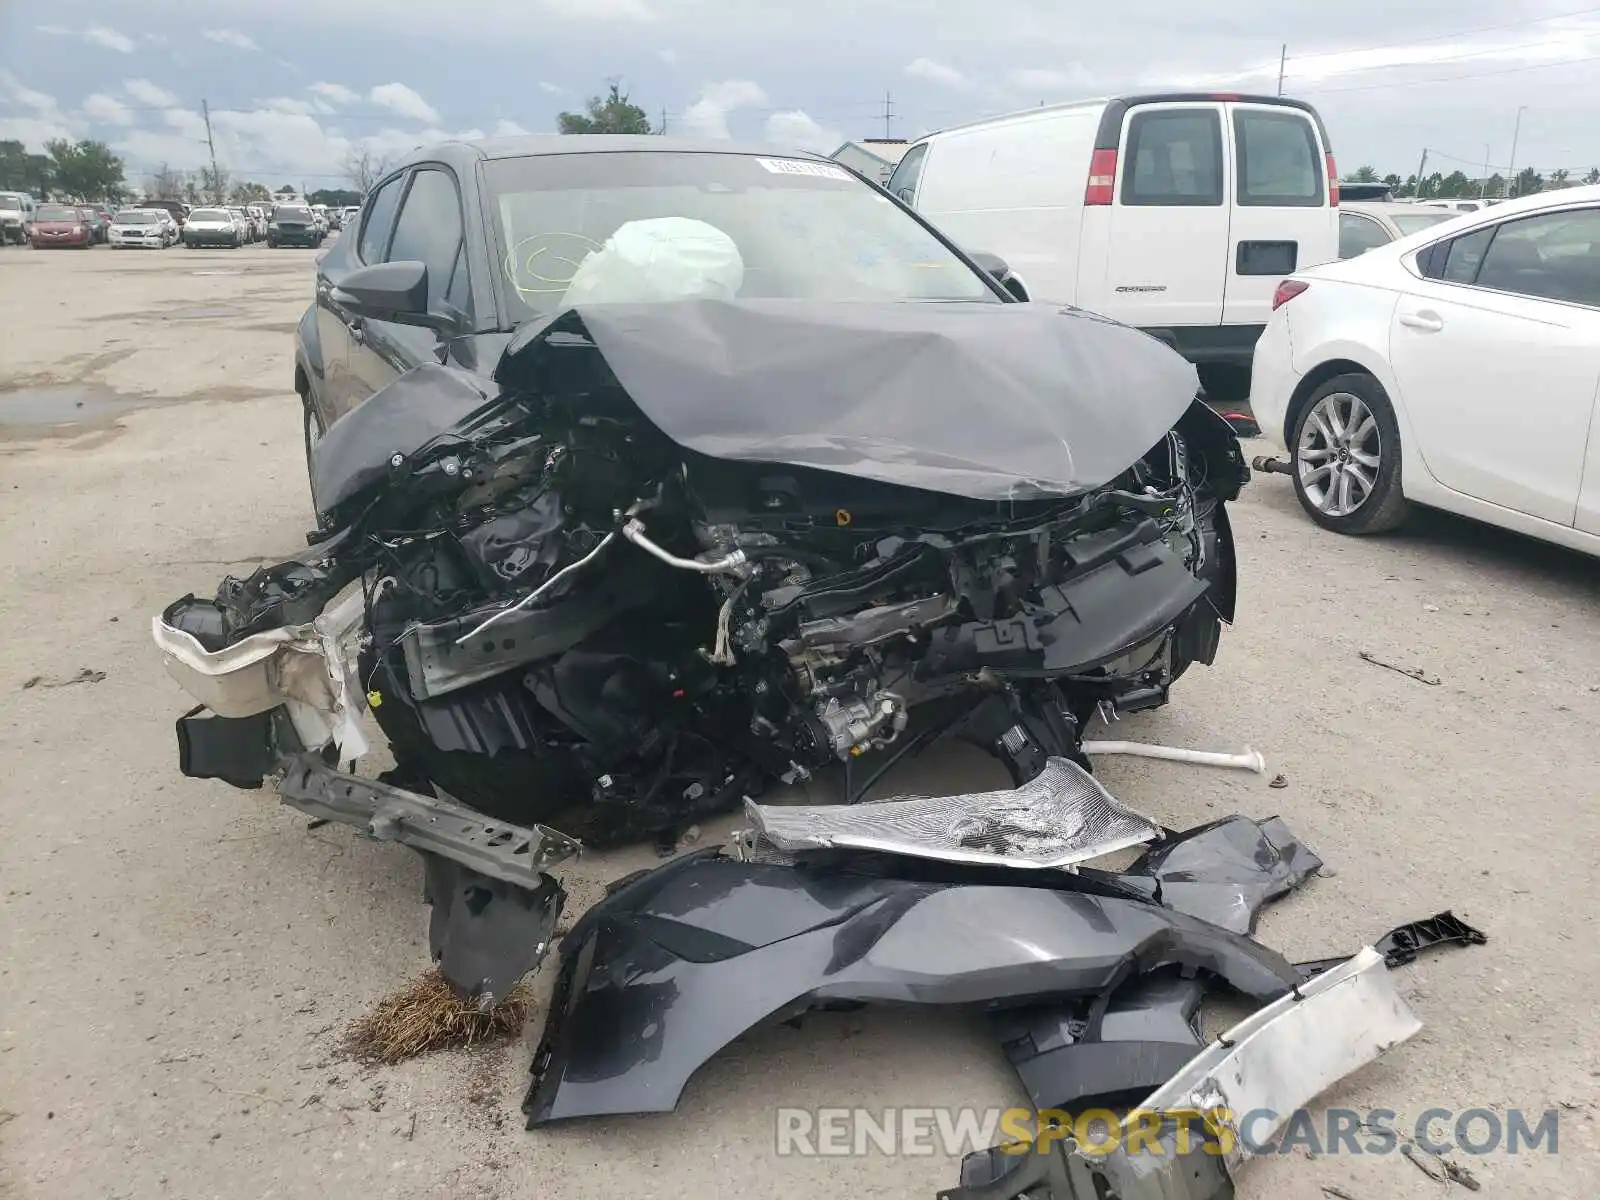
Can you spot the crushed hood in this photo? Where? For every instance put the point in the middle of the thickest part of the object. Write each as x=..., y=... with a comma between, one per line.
x=986, y=401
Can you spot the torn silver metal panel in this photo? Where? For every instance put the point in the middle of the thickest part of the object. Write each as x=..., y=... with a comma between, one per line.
x=1061, y=817
x=1285, y=1055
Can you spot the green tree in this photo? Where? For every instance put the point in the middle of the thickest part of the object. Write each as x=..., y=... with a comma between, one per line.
x=1363, y=175
x=1394, y=184
x=1495, y=185
x=1527, y=182
x=86, y=170
x=164, y=183
x=334, y=197
x=612, y=113
x=21, y=171
x=1455, y=184
x=214, y=181
x=248, y=193
x=1559, y=178
x=1593, y=177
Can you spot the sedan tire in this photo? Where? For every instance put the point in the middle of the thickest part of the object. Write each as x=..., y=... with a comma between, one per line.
x=1345, y=455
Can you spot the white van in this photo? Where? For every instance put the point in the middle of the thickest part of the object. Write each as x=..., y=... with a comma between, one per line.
x=1177, y=213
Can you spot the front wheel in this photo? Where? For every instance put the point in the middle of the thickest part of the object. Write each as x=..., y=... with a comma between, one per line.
x=1346, y=457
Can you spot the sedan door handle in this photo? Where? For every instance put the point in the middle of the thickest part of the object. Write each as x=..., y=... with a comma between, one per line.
x=358, y=330
x=1428, y=322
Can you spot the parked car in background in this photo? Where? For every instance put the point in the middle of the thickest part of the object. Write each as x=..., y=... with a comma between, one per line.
x=258, y=220
x=1364, y=227
x=350, y=216
x=61, y=226
x=1459, y=206
x=294, y=225
x=16, y=217
x=247, y=230
x=99, y=217
x=1177, y=213
x=212, y=227
x=1455, y=368
x=176, y=209
x=141, y=227
x=335, y=218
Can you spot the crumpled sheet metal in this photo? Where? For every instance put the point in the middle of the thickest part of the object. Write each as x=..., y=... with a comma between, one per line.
x=675, y=964
x=1223, y=872
x=1061, y=817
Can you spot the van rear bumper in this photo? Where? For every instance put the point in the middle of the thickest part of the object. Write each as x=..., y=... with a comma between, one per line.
x=1233, y=344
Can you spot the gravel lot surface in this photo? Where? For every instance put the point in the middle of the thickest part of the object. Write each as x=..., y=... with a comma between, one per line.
x=180, y=958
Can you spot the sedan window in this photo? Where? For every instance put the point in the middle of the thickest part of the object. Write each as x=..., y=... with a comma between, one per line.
x=1358, y=234
x=378, y=223
x=1553, y=256
x=429, y=230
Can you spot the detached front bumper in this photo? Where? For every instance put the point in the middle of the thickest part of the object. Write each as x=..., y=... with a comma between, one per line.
x=284, y=703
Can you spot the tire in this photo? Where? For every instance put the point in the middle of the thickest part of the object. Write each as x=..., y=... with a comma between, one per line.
x=312, y=430
x=1345, y=457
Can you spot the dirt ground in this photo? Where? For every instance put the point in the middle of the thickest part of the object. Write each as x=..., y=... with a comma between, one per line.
x=179, y=959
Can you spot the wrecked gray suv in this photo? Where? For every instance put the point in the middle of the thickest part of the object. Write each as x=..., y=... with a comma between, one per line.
x=649, y=474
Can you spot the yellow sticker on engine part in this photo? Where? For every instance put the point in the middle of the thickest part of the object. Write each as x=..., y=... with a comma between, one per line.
x=374, y=699
x=842, y=517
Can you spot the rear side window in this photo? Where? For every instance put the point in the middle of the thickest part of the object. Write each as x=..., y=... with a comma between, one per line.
x=429, y=230
x=1278, y=160
x=1174, y=158
x=1358, y=234
x=1458, y=260
x=1553, y=256
x=379, y=208
x=903, y=183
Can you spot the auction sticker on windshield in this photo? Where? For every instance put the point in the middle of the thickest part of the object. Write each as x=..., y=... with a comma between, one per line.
x=793, y=166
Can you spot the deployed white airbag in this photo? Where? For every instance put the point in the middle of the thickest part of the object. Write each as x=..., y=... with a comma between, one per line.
x=662, y=258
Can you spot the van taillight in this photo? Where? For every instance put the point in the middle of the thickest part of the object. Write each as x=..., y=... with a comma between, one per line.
x=1102, y=177
x=1333, y=181
x=1287, y=291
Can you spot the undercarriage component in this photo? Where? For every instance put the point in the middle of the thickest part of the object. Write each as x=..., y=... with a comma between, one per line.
x=1060, y=817
x=1403, y=943
x=484, y=933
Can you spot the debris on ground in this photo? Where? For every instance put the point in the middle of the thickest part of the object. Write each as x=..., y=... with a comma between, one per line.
x=1416, y=673
x=84, y=675
x=1459, y=1174
x=1415, y=1160
x=1336, y=1193
x=1279, y=780
x=426, y=1016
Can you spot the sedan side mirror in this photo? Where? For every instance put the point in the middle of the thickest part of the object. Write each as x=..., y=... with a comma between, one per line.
x=391, y=291
x=1000, y=270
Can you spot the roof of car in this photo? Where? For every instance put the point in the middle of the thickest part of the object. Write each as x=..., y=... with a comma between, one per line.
x=1389, y=208
x=534, y=145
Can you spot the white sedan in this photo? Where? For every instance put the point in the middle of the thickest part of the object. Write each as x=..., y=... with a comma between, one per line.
x=1455, y=368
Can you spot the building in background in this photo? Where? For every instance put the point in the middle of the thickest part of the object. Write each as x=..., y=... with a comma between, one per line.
x=876, y=158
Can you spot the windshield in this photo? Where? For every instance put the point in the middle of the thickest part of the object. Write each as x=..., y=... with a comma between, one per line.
x=285, y=212
x=56, y=212
x=1412, y=222
x=210, y=214
x=11, y=203
x=137, y=218
x=656, y=225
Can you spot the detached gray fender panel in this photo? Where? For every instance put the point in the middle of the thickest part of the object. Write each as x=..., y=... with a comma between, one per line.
x=308, y=348
x=664, y=973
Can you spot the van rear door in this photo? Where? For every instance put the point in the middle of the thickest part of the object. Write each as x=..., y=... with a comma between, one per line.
x=1284, y=216
x=1167, y=244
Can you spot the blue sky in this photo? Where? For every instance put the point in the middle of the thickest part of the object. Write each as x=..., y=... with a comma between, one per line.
x=293, y=85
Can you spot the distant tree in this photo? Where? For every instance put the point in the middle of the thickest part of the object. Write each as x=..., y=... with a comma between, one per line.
x=1393, y=183
x=1363, y=175
x=1593, y=176
x=191, y=190
x=1527, y=182
x=334, y=197
x=364, y=168
x=611, y=113
x=213, y=182
x=86, y=170
x=1559, y=178
x=1454, y=185
x=1495, y=185
x=164, y=183
x=248, y=193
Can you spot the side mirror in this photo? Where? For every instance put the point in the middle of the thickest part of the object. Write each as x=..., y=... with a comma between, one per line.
x=391, y=291
x=1000, y=270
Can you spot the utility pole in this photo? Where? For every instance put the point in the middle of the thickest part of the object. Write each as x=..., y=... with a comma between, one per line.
x=662, y=128
x=1283, y=58
x=1483, y=183
x=1422, y=165
x=1511, y=168
x=888, y=113
x=205, y=111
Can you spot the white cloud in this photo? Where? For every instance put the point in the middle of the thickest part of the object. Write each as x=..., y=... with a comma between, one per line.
x=287, y=104
x=231, y=37
x=47, y=120
x=936, y=72
x=708, y=116
x=668, y=55
x=798, y=130
x=505, y=128
x=100, y=35
x=397, y=97
x=600, y=11
x=1048, y=80
x=101, y=107
x=554, y=89
x=149, y=94
x=24, y=95
x=337, y=92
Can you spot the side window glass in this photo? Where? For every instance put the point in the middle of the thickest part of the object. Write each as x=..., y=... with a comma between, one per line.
x=1174, y=158
x=1359, y=234
x=1463, y=256
x=458, y=295
x=429, y=230
x=1553, y=256
x=1278, y=165
x=378, y=219
x=903, y=183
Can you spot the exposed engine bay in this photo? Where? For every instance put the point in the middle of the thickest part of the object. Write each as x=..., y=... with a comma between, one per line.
x=572, y=616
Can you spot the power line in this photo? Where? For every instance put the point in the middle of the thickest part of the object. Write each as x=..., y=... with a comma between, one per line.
x=1443, y=37
x=1369, y=87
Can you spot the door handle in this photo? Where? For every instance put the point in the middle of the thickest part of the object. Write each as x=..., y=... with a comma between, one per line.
x=1428, y=322
x=358, y=330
